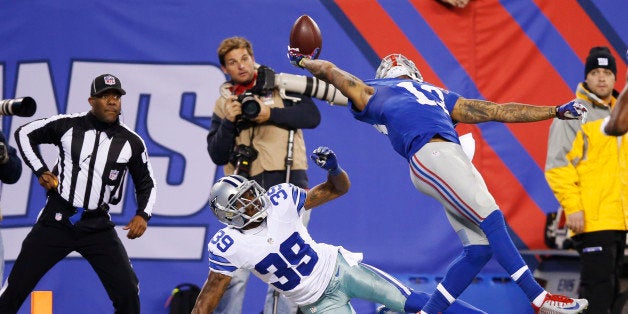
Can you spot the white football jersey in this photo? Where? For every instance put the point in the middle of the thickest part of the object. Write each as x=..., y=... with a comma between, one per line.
x=280, y=251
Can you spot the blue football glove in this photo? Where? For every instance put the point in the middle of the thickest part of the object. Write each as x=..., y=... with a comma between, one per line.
x=296, y=57
x=326, y=159
x=571, y=111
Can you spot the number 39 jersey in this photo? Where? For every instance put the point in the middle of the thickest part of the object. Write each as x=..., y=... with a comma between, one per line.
x=280, y=251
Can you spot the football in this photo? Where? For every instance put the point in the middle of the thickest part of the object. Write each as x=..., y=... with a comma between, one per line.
x=306, y=36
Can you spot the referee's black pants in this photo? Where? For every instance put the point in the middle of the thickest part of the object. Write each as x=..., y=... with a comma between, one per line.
x=601, y=260
x=51, y=240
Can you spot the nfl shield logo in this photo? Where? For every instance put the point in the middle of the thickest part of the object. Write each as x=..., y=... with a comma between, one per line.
x=58, y=216
x=113, y=174
x=110, y=80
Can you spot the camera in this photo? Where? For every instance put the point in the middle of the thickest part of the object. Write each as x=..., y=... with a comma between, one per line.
x=305, y=85
x=22, y=107
x=310, y=86
x=242, y=157
x=250, y=106
x=264, y=83
x=300, y=84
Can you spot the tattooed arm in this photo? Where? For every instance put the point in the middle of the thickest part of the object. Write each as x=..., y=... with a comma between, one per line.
x=349, y=85
x=476, y=111
x=335, y=186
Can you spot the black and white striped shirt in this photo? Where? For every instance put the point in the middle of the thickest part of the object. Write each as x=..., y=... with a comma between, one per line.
x=93, y=159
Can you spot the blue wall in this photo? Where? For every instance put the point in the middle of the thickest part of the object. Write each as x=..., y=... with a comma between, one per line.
x=164, y=52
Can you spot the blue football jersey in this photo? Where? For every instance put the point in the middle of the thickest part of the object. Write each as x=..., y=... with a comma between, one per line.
x=412, y=112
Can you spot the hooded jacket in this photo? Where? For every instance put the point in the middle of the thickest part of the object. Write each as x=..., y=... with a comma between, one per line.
x=586, y=169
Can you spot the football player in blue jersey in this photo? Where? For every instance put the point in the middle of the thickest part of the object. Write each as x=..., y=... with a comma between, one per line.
x=264, y=234
x=419, y=119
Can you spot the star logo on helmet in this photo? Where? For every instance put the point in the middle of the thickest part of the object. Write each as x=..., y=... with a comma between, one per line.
x=212, y=203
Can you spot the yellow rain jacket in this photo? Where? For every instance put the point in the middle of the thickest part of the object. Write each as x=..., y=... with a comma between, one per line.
x=588, y=170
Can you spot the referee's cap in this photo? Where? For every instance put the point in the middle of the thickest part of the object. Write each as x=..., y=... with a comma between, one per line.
x=104, y=83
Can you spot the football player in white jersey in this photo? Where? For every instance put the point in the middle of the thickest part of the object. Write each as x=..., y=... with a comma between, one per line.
x=264, y=234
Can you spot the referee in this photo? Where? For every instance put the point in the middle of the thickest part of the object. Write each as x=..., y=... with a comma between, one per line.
x=95, y=152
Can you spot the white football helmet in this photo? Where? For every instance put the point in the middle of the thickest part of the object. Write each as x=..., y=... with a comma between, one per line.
x=396, y=65
x=232, y=195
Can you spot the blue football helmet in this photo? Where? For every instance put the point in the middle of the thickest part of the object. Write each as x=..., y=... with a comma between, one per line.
x=230, y=197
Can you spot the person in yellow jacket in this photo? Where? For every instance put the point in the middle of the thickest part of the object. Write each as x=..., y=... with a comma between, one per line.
x=584, y=169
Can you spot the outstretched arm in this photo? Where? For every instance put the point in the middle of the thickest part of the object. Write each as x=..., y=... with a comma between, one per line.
x=352, y=87
x=211, y=293
x=618, y=122
x=337, y=182
x=476, y=111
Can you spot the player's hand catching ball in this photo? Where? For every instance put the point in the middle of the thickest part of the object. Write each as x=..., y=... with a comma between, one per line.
x=295, y=56
x=306, y=40
x=326, y=159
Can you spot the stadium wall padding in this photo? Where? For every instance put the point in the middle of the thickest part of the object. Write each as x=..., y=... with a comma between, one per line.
x=164, y=52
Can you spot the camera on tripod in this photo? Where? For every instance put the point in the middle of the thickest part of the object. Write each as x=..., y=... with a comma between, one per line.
x=242, y=157
x=22, y=107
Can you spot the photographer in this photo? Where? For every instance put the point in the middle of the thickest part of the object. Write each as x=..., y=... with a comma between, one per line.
x=10, y=163
x=257, y=146
x=10, y=171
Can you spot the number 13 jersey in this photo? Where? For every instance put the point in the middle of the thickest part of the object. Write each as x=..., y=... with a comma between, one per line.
x=280, y=251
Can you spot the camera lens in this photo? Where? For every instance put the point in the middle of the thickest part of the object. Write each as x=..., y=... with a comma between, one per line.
x=21, y=107
x=250, y=106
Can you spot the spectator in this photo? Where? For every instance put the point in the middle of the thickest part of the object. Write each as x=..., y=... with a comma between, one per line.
x=10, y=171
x=583, y=169
x=10, y=163
x=456, y=3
